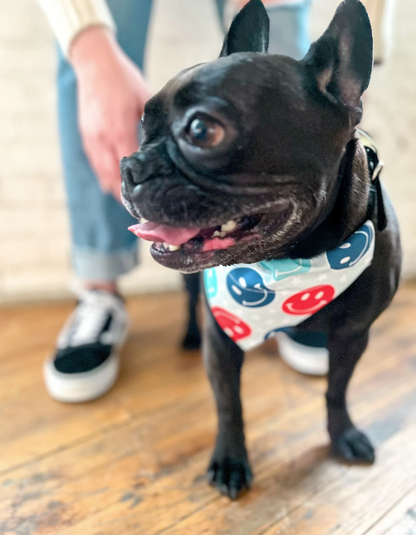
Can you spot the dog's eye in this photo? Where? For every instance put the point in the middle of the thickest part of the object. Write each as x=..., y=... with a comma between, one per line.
x=205, y=133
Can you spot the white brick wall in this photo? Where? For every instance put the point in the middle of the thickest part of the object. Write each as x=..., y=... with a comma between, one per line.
x=34, y=245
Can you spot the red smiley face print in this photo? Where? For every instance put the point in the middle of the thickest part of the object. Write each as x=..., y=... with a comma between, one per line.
x=309, y=301
x=233, y=327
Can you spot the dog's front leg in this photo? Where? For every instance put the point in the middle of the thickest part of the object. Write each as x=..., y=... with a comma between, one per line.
x=192, y=338
x=229, y=469
x=347, y=441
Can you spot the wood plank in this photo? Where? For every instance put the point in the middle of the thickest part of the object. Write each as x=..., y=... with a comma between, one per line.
x=159, y=445
x=353, y=504
x=303, y=475
x=399, y=520
x=49, y=425
x=290, y=421
x=141, y=469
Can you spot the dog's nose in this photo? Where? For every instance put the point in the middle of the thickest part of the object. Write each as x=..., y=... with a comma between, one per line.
x=143, y=166
x=130, y=169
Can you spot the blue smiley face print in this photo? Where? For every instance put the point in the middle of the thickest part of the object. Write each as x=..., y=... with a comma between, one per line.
x=352, y=250
x=247, y=287
x=283, y=269
x=211, y=282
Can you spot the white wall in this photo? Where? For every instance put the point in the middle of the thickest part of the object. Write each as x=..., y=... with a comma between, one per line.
x=34, y=244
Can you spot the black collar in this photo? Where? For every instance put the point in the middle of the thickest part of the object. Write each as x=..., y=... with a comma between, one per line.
x=330, y=232
x=376, y=206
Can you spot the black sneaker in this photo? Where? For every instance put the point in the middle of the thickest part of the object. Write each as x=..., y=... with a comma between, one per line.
x=86, y=363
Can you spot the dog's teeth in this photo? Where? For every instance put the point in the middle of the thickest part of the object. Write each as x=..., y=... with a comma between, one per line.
x=143, y=220
x=218, y=234
x=227, y=227
x=172, y=247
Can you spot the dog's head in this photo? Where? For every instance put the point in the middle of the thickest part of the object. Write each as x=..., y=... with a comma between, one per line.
x=241, y=155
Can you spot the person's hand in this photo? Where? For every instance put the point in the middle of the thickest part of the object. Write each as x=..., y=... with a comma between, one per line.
x=111, y=97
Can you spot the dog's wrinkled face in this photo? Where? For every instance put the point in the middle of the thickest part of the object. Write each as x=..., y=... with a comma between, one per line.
x=240, y=155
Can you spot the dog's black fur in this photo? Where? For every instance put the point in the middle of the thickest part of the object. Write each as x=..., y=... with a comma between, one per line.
x=192, y=338
x=290, y=158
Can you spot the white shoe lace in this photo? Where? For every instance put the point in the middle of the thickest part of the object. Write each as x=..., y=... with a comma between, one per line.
x=88, y=319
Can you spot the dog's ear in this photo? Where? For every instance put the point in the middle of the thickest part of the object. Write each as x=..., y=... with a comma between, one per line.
x=341, y=61
x=249, y=31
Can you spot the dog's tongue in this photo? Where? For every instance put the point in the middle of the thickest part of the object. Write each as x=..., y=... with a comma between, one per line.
x=161, y=233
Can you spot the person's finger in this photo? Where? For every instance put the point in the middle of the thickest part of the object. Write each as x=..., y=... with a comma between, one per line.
x=113, y=177
x=115, y=182
x=127, y=142
x=116, y=191
x=104, y=162
x=97, y=157
x=92, y=147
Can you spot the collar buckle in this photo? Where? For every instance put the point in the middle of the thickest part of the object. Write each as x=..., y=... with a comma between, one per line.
x=377, y=171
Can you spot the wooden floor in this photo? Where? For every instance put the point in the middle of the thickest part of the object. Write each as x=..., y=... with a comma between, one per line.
x=133, y=462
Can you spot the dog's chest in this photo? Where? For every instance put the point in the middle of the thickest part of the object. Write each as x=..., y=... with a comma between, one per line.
x=251, y=302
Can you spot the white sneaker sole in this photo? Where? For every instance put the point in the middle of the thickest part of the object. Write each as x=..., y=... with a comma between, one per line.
x=79, y=387
x=304, y=359
x=86, y=386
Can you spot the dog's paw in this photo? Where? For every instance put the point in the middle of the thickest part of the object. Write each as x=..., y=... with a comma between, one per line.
x=231, y=476
x=353, y=446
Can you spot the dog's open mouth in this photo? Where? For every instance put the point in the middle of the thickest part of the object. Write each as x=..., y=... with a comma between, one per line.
x=170, y=240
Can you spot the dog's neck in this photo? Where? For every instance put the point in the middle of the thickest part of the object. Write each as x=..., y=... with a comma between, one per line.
x=347, y=207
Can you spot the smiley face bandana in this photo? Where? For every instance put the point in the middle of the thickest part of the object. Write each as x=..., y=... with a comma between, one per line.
x=254, y=301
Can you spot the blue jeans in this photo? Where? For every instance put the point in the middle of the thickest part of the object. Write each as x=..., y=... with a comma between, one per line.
x=102, y=247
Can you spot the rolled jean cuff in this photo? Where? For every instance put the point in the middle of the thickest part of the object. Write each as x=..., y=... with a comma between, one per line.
x=101, y=266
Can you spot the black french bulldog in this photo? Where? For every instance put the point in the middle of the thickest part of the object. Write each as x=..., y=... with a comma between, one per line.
x=255, y=156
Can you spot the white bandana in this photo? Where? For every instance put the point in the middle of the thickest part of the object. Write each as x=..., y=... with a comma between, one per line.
x=253, y=301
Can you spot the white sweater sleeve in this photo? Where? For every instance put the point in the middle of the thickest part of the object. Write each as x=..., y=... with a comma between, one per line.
x=69, y=17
